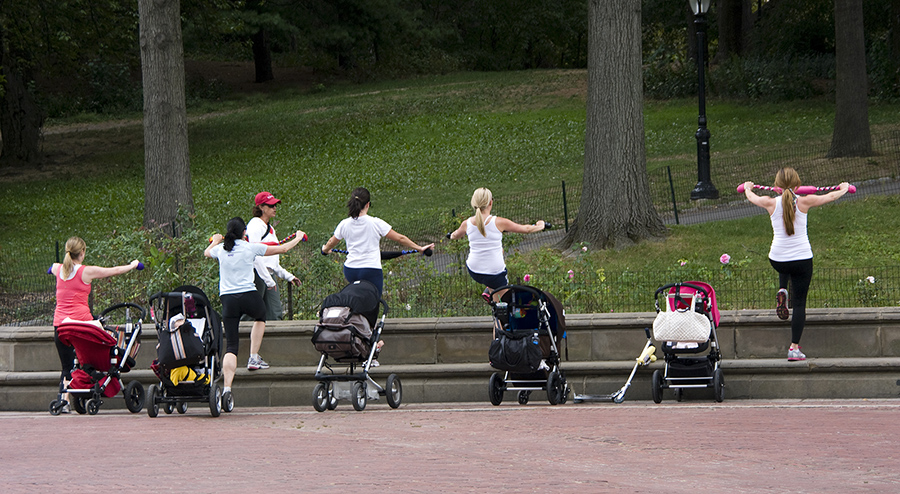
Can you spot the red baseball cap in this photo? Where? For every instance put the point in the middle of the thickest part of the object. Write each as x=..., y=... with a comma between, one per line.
x=266, y=198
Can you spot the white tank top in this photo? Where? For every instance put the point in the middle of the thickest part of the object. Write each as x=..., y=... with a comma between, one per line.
x=789, y=247
x=485, y=251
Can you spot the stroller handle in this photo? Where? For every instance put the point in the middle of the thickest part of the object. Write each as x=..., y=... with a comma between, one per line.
x=534, y=291
x=676, y=285
x=197, y=296
x=124, y=304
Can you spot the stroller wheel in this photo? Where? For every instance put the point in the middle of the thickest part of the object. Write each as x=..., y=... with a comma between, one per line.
x=169, y=408
x=215, y=400
x=495, y=389
x=679, y=394
x=394, y=391
x=719, y=385
x=55, y=407
x=152, y=405
x=359, y=396
x=134, y=396
x=656, y=386
x=182, y=407
x=320, y=397
x=227, y=402
x=554, y=388
x=78, y=404
x=93, y=406
x=523, y=397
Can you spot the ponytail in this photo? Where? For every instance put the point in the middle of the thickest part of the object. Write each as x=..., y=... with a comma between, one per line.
x=480, y=200
x=74, y=247
x=358, y=200
x=235, y=231
x=788, y=205
x=787, y=179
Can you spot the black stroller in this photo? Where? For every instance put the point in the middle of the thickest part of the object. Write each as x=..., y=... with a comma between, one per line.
x=345, y=335
x=529, y=327
x=189, y=355
x=104, y=349
x=686, y=332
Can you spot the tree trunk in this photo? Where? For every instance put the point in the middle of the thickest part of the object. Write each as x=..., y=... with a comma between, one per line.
x=895, y=32
x=262, y=56
x=730, y=20
x=21, y=118
x=616, y=210
x=167, y=171
x=851, y=114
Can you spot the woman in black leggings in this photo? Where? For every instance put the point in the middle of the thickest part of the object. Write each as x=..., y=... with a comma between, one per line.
x=791, y=254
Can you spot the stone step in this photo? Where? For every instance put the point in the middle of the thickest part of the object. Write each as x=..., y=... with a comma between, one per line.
x=856, y=355
x=745, y=379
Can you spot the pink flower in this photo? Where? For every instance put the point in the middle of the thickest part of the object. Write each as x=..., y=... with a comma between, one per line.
x=571, y=274
x=725, y=259
x=526, y=278
x=584, y=249
x=683, y=263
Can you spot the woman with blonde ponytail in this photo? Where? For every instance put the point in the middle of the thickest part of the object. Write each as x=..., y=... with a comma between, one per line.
x=485, y=232
x=791, y=254
x=73, y=288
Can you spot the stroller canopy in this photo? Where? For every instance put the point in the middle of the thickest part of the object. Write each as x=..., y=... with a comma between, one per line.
x=360, y=296
x=91, y=342
x=520, y=296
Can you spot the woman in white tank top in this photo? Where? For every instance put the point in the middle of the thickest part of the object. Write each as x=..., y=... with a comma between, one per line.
x=485, y=232
x=790, y=253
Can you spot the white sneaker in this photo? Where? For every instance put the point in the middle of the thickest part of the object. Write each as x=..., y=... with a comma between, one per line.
x=795, y=355
x=257, y=363
x=374, y=363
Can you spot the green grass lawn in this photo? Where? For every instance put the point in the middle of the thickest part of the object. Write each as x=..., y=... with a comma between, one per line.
x=421, y=146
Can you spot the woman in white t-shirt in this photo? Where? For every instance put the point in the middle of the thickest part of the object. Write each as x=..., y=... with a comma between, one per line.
x=238, y=295
x=485, y=262
x=363, y=234
x=791, y=254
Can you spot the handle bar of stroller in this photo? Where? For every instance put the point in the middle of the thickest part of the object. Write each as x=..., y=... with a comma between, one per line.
x=677, y=286
x=123, y=305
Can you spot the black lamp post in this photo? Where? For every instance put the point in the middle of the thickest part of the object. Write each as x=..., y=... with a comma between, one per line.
x=704, y=188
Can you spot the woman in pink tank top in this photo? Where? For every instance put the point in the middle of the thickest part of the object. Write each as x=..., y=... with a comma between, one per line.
x=73, y=288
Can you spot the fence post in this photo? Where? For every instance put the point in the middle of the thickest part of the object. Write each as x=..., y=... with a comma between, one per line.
x=57, y=251
x=290, y=301
x=672, y=190
x=565, y=206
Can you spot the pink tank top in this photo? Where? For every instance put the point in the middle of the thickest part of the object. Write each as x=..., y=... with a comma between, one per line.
x=72, y=298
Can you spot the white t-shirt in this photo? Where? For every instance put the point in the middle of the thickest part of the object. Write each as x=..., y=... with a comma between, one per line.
x=266, y=266
x=789, y=247
x=236, y=266
x=485, y=251
x=363, y=236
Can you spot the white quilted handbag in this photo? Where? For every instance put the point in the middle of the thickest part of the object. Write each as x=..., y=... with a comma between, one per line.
x=681, y=324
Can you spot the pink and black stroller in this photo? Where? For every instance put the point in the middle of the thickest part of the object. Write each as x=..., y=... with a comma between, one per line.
x=104, y=351
x=686, y=332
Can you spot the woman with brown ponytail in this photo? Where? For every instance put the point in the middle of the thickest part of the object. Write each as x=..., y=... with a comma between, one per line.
x=485, y=262
x=73, y=287
x=791, y=254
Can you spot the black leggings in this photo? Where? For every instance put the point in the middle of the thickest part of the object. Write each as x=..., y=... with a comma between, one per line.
x=799, y=274
x=234, y=305
x=66, y=356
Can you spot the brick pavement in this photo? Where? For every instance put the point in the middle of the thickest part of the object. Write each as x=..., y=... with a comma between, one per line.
x=690, y=447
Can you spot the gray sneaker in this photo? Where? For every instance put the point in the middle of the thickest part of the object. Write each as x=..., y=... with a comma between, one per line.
x=256, y=364
x=795, y=355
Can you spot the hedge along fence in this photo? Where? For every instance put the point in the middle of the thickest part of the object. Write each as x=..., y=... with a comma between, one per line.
x=440, y=286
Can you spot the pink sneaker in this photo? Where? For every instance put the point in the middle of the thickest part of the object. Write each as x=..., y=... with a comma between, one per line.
x=781, y=305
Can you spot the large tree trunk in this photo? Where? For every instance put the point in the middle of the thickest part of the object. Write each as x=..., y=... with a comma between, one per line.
x=851, y=114
x=730, y=19
x=616, y=210
x=21, y=118
x=167, y=171
x=262, y=56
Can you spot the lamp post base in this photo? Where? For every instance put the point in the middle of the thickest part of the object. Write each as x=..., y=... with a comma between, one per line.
x=704, y=190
